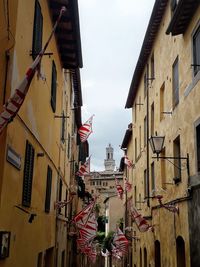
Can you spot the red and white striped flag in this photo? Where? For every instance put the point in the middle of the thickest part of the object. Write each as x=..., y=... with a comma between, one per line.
x=141, y=223
x=169, y=207
x=127, y=185
x=82, y=217
x=84, y=169
x=119, y=188
x=14, y=103
x=128, y=162
x=86, y=129
x=89, y=231
x=120, y=241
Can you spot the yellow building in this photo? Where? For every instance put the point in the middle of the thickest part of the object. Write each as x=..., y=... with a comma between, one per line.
x=164, y=97
x=39, y=148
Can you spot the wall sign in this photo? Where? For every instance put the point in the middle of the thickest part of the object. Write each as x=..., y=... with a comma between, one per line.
x=13, y=158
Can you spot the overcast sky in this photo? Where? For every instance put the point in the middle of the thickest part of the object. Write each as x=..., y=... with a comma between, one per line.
x=112, y=32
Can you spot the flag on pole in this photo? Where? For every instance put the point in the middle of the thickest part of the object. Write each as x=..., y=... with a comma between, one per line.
x=84, y=169
x=86, y=129
x=169, y=207
x=119, y=188
x=14, y=103
x=141, y=223
x=127, y=185
x=128, y=162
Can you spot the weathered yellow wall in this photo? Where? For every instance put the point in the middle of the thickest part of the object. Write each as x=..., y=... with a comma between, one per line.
x=35, y=122
x=168, y=226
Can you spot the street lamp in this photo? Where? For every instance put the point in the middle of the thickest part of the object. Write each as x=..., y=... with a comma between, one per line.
x=157, y=143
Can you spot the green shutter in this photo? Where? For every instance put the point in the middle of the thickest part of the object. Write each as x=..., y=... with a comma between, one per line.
x=48, y=190
x=37, y=30
x=53, y=87
x=28, y=175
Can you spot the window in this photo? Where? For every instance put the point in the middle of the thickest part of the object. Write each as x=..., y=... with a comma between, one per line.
x=68, y=146
x=135, y=196
x=162, y=101
x=163, y=169
x=53, y=86
x=152, y=119
x=140, y=257
x=177, y=162
x=145, y=257
x=63, y=259
x=146, y=78
x=60, y=193
x=157, y=254
x=28, y=175
x=140, y=139
x=198, y=147
x=180, y=252
x=145, y=131
x=152, y=67
x=145, y=184
x=48, y=190
x=39, y=261
x=196, y=51
x=175, y=83
x=63, y=128
x=135, y=112
x=37, y=30
x=152, y=176
x=66, y=196
x=135, y=149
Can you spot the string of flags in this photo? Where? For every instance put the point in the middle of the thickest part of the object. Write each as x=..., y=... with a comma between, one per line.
x=86, y=225
x=14, y=103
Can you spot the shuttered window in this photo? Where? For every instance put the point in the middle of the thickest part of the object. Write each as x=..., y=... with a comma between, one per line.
x=48, y=190
x=196, y=51
x=53, y=86
x=28, y=175
x=175, y=84
x=37, y=30
x=198, y=147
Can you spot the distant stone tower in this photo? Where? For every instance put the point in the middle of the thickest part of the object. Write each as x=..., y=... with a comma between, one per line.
x=109, y=162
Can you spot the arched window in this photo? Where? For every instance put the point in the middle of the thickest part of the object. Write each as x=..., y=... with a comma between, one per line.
x=145, y=257
x=180, y=252
x=140, y=258
x=157, y=254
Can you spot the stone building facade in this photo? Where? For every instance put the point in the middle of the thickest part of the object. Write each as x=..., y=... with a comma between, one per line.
x=164, y=98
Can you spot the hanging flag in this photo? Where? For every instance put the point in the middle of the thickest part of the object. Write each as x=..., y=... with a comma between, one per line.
x=119, y=188
x=86, y=129
x=89, y=231
x=141, y=223
x=116, y=253
x=106, y=253
x=169, y=207
x=82, y=217
x=120, y=241
x=128, y=162
x=127, y=185
x=14, y=103
x=84, y=169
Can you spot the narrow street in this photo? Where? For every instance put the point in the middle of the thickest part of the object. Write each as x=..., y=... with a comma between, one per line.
x=99, y=133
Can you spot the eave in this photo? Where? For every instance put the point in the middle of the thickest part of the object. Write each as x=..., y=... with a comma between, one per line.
x=182, y=16
x=67, y=33
x=152, y=29
x=127, y=138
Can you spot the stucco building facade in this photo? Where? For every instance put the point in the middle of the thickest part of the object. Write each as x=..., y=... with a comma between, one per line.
x=40, y=149
x=164, y=98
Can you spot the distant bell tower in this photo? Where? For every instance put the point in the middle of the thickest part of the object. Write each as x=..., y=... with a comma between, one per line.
x=109, y=162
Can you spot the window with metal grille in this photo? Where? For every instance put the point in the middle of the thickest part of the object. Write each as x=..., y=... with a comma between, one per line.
x=48, y=190
x=37, y=30
x=28, y=175
x=198, y=146
x=196, y=51
x=53, y=86
x=175, y=85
